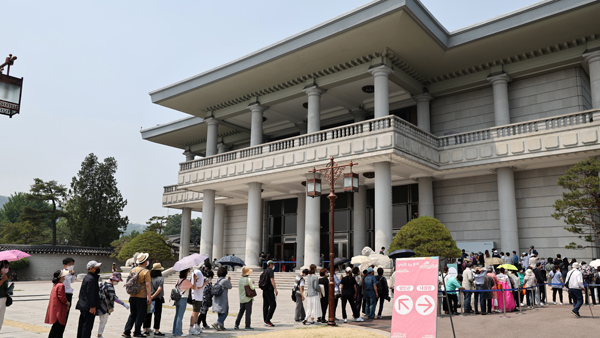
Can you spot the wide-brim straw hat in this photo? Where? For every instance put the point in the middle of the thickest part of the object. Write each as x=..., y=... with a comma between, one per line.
x=157, y=266
x=63, y=273
x=246, y=271
x=141, y=258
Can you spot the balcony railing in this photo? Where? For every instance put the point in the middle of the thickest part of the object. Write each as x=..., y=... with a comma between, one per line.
x=403, y=127
x=346, y=131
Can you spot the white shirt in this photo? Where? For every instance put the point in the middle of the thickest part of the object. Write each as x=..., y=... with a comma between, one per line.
x=198, y=294
x=69, y=278
x=575, y=278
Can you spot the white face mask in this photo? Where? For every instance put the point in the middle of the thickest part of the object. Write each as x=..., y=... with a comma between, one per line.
x=70, y=268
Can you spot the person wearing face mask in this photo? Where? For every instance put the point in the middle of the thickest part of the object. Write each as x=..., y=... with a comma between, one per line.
x=58, y=306
x=68, y=265
x=89, y=300
x=3, y=290
x=206, y=301
x=139, y=302
x=108, y=297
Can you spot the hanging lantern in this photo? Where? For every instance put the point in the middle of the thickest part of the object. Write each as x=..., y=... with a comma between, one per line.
x=313, y=186
x=351, y=182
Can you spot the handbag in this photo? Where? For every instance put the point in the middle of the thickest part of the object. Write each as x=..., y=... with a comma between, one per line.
x=321, y=290
x=9, y=301
x=249, y=292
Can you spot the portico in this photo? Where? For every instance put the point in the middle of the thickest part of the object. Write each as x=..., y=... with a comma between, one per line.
x=411, y=121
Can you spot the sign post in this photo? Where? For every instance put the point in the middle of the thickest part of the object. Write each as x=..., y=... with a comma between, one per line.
x=415, y=297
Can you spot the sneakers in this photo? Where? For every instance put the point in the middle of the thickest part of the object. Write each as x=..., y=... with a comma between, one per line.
x=378, y=317
x=575, y=314
x=359, y=319
x=268, y=323
x=554, y=303
x=192, y=332
x=561, y=303
x=522, y=304
x=248, y=328
x=345, y=320
x=236, y=327
x=216, y=326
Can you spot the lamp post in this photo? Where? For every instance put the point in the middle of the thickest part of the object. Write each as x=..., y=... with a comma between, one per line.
x=331, y=173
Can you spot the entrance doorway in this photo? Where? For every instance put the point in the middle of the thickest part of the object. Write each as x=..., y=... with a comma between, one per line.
x=284, y=252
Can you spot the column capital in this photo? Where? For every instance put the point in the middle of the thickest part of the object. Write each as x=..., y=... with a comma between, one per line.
x=211, y=121
x=425, y=97
x=257, y=108
x=189, y=156
x=591, y=56
x=381, y=71
x=314, y=91
x=222, y=148
x=500, y=78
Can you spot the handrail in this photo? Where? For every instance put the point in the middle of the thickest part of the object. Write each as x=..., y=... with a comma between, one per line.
x=401, y=126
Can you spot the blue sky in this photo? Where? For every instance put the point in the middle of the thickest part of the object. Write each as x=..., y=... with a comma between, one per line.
x=88, y=68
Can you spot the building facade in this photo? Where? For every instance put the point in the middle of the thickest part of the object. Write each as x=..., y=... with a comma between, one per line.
x=472, y=127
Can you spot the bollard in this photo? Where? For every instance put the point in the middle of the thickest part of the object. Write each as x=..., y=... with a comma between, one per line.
x=520, y=292
x=503, y=304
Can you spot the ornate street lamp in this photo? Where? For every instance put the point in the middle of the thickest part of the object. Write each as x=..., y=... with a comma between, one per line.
x=331, y=173
x=10, y=89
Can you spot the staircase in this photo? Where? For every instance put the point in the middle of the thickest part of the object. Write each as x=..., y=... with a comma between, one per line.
x=283, y=280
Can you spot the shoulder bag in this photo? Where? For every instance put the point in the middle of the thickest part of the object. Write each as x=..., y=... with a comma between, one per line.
x=249, y=292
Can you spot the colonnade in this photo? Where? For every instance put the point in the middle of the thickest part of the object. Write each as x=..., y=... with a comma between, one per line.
x=308, y=211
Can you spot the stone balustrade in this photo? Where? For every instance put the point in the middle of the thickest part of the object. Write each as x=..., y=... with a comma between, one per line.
x=392, y=135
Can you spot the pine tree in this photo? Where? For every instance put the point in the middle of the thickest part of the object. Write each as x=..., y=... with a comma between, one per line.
x=51, y=192
x=96, y=204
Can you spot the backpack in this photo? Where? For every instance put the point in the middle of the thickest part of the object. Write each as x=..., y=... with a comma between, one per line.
x=175, y=294
x=262, y=281
x=217, y=289
x=132, y=286
x=381, y=288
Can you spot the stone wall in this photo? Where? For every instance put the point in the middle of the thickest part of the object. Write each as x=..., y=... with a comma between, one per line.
x=468, y=207
x=552, y=94
x=560, y=92
x=536, y=191
x=234, y=241
x=42, y=265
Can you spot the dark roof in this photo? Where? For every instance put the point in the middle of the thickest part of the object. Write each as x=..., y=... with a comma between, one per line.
x=58, y=249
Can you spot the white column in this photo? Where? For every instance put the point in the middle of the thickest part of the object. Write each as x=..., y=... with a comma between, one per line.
x=383, y=205
x=500, y=88
x=221, y=148
x=314, y=109
x=312, y=229
x=426, y=196
x=300, y=219
x=219, y=231
x=212, y=133
x=302, y=128
x=208, y=222
x=184, y=235
x=189, y=156
x=423, y=111
x=359, y=215
x=507, y=206
x=593, y=60
x=382, y=96
x=256, y=124
x=254, y=224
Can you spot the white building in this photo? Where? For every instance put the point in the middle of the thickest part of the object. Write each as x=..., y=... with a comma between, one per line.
x=472, y=127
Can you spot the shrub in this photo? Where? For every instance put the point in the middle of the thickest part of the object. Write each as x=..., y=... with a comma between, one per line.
x=150, y=242
x=426, y=236
x=19, y=265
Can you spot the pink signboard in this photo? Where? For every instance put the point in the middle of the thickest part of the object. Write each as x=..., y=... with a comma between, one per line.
x=415, y=298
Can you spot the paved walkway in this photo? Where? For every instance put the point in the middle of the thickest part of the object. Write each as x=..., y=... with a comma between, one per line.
x=25, y=319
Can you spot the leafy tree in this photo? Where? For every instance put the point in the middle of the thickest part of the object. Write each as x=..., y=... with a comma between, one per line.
x=580, y=205
x=96, y=203
x=53, y=193
x=19, y=265
x=173, y=226
x=426, y=236
x=156, y=224
x=150, y=242
x=121, y=242
x=24, y=232
x=11, y=210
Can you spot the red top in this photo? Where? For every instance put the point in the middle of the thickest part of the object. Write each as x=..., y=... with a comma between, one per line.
x=57, y=306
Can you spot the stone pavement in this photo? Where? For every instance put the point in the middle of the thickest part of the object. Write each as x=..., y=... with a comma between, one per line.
x=25, y=319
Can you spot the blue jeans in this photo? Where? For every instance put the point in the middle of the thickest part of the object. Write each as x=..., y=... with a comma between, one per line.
x=577, y=296
x=371, y=299
x=467, y=300
x=179, y=312
x=381, y=300
x=478, y=296
x=221, y=318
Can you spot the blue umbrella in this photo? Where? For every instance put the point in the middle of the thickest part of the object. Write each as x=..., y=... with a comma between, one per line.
x=189, y=262
x=231, y=261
